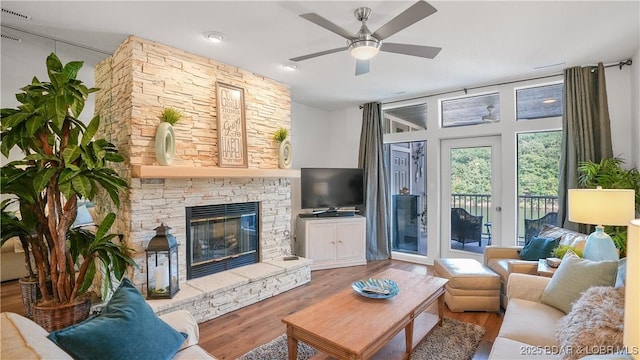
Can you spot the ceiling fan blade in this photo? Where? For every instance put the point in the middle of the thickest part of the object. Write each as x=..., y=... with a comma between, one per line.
x=362, y=67
x=413, y=14
x=322, y=22
x=305, y=57
x=414, y=50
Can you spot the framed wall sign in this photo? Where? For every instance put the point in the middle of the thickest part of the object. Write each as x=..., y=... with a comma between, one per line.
x=232, y=132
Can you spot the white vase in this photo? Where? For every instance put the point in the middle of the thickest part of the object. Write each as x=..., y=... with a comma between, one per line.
x=165, y=144
x=284, y=154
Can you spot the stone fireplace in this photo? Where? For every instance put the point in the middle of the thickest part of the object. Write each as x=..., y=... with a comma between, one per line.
x=136, y=83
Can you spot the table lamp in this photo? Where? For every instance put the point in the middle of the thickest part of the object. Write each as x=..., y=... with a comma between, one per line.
x=632, y=291
x=615, y=207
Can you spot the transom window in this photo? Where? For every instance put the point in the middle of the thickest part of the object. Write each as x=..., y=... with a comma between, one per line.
x=539, y=102
x=471, y=110
x=405, y=119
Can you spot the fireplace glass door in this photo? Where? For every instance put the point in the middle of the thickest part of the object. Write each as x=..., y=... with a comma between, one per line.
x=221, y=237
x=217, y=238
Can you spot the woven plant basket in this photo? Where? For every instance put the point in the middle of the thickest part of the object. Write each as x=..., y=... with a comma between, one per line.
x=57, y=317
x=30, y=294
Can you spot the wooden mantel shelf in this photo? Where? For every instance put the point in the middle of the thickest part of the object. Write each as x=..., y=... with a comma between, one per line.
x=181, y=172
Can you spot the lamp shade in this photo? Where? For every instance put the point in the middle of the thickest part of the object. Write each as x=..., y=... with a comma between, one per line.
x=632, y=290
x=615, y=207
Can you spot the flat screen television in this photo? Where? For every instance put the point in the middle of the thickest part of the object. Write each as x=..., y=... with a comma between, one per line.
x=331, y=188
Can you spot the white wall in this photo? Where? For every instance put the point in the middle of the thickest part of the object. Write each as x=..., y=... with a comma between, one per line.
x=635, y=110
x=346, y=125
x=619, y=90
x=321, y=138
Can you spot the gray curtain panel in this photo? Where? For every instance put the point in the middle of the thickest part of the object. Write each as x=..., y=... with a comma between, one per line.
x=371, y=159
x=586, y=129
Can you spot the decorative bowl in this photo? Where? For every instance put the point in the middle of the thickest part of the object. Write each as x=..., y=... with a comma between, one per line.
x=376, y=288
x=553, y=262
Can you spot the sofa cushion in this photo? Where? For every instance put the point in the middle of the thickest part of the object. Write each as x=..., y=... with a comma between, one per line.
x=574, y=276
x=530, y=322
x=127, y=328
x=595, y=324
x=24, y=339
x=567, y=237
x=539, y=248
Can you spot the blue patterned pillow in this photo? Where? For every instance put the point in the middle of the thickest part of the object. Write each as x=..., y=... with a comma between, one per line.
x=538, y=248
x=127, y=328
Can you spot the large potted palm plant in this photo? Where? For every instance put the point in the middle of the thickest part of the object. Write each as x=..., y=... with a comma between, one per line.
x=61, y=162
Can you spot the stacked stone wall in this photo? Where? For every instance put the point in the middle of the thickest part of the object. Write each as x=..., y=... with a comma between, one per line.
x=137, y=82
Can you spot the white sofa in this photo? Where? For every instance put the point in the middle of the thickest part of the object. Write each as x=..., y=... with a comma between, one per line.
x=528, y=328
x=24, y=339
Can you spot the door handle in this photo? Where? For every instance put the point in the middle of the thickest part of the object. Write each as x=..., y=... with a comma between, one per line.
x=498, y=208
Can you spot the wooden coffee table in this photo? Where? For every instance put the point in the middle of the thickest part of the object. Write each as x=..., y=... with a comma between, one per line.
x=350, y=326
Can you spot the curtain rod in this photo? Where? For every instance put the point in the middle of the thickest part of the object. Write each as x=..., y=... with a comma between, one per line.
x=58, y=40
x=620, y=64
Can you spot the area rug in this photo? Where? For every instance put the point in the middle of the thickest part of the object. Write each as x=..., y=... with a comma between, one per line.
x=454, y=340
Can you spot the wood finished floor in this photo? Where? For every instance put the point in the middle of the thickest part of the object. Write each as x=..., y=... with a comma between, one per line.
x=233, y=334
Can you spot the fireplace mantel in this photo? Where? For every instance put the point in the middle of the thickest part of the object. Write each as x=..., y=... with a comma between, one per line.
x=180, y=171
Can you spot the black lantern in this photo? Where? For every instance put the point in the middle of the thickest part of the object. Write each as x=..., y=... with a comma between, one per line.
x=162, y=265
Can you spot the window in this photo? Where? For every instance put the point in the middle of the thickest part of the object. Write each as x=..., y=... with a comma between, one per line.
x=471, y=110
x=405, y=119
x=538, y=168
x=539, y=102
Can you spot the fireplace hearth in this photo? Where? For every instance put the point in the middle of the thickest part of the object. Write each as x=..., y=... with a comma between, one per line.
x=221, y=237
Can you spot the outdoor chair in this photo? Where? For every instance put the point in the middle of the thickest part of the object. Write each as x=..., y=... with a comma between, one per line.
x=465, y=227
x=532, y=226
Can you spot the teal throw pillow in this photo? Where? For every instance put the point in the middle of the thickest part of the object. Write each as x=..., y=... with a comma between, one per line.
x=127, y=328
x=573, y=277
x=538, y=248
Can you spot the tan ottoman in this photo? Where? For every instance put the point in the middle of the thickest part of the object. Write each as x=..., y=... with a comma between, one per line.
x=471, y=287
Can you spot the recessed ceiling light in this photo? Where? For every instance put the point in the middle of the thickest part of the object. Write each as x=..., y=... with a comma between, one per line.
x=549, y=101
x=289, y=66
x=214, y=36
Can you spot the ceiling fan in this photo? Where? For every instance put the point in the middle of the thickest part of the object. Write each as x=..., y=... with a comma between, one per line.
x=364, y=45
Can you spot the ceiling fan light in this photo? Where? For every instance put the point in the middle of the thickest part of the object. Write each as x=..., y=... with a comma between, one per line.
x=364, y=50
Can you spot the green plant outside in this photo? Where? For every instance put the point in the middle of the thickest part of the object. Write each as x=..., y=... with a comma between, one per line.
x=171, y=115
x=609, y=174
x=280, y=135
x=62, y=162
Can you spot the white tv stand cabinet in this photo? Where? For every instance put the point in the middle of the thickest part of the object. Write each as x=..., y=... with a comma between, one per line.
x=332, y=242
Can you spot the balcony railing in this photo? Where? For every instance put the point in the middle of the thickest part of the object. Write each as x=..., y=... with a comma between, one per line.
x=537, y=206
x=529, y=207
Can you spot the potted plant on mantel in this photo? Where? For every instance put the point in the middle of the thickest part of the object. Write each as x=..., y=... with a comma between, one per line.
x=165, y=136
x=281, y=136
x=62, y=162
